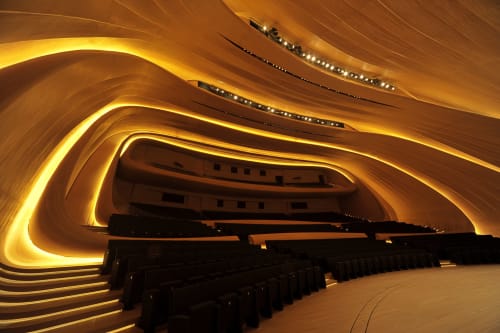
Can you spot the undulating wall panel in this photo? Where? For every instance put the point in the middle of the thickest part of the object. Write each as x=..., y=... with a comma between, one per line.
x=80, y=78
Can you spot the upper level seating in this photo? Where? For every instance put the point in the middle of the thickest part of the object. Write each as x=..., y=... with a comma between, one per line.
x=324, y=217
x=385, y=227
x=142, y=226
x=189, y=214
x=164, y=211
x=244, y=229
x=227, y=215
x=355, y=257
x=461, y=248
x=206, y=286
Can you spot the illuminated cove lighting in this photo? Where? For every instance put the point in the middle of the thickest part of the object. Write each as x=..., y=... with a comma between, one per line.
x=18, y=238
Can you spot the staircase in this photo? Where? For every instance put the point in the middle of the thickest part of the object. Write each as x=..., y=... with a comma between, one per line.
x=61, y=299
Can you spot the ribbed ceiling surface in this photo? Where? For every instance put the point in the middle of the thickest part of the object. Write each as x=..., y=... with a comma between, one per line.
x=79, y=78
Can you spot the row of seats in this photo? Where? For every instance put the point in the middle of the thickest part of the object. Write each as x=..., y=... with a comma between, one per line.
x=226, y=303
x=145, y=277
x=184, y=213
x=302, y=216
x=244, y=229
x=461, y=248
x=142, y=226
x=181, y=213
x=355, y=257
x=131, y=261
x=352, y=266
x=176, y=279
x=474, y=255
x=221, y=286
x=385, y=227
x=176, y=251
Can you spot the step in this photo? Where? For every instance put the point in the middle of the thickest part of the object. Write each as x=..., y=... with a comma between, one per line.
x=27, y=309
x=37, y=281
x=102, y=230
x=41, y=270
x=47, y=294
x=63, y=316
x=118, y=322
x=29, y=276
x=134, y=329
x=447, y=263
x=105, y=322
x=35, y=286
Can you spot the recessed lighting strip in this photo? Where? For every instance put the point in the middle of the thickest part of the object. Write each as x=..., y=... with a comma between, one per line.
x=122, y=329
x=86, y=319
x=274, y=126
x=325, y=64
x=266, y=108
x=286, y=71
x=47, y=300
x=51, y=290
x=58, y=313
x=52, y=279
x=51, y=273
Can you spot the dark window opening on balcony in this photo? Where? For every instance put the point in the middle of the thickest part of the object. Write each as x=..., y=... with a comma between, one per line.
x=299, y=205
x=172, y=197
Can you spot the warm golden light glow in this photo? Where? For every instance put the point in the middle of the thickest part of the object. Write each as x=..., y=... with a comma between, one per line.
x=82, y=82
x=17, y=247
x=56, y=279
x=20, y=225
x=52, y=299
x=452, y=197
x=89, y=318
x=121, y=329
x=41, y=274
x=49, y=290
x=54, y=314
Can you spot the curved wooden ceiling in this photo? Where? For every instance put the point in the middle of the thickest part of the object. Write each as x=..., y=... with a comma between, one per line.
x=78, y=79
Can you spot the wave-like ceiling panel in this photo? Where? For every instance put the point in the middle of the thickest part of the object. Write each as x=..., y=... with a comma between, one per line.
x=79, y=78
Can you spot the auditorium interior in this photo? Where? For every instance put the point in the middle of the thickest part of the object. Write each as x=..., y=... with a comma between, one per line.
x=233, y=166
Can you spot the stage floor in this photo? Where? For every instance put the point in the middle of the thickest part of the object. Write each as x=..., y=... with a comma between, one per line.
x=441, y=300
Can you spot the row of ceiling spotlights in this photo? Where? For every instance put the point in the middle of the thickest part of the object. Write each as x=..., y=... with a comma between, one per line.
x=273, y=34
x=267, y=108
